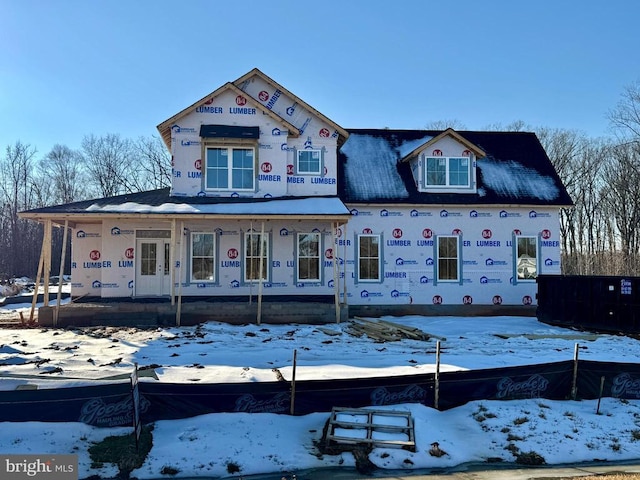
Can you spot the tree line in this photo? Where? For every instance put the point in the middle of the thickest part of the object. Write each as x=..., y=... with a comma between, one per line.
x=103, y=166
x=600, y=235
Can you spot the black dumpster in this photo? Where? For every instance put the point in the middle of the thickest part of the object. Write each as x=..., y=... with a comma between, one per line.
x=590, y=302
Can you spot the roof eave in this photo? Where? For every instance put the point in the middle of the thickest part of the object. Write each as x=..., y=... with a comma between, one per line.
x=449, y=132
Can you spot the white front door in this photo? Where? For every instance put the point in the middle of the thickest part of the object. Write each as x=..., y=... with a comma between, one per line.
x=152, y=267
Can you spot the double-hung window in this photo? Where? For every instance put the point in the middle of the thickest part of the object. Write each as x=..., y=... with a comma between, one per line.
x=202, y=257
x=308, y=257
x=369, y=258
x=447, y=172
x=309, y=162
x=256, y=257
x=526, y=258
x=448, y=254
x=230, y=168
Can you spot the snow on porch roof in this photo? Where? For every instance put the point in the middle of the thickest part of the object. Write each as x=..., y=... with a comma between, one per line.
x=158, y=202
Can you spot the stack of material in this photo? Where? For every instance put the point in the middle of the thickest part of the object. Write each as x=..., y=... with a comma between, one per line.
x=385, y=331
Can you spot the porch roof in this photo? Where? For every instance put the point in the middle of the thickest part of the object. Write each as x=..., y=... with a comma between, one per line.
x=159, y=204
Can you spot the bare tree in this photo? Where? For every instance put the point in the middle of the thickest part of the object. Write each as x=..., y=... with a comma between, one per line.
x=625, y=117
x=622, y=180
x=109, y=163
x=515, y=126
x=154, y=163
x=16, y=190
x=65, y=174
x=444, y=124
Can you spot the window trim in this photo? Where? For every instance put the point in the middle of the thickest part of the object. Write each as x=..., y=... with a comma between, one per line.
x=214, y=257
x=319, y=278
x=380, y=278
x=230, y=147
x=267, y=256
x=436, y=263
x=538, y=264
x=320, y=171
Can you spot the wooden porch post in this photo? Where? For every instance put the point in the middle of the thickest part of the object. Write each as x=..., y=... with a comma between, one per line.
x=172, y=261
x=260, y=271
x=336, y=281
x=344, y=268
x=63, y=255
x=179, y=307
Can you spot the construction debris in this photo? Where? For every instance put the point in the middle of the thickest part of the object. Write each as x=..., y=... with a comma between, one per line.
x=385, y=331
x=349, y=427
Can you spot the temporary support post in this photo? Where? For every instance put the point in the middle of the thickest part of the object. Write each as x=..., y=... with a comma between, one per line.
x=574, y=383
x=37, y=285
x=336, y=283
x=61, y=274
x=436, y=399
x=260, y=271
x=179, y=307
x=172, y=261
x=47, y=260
x=293, y=383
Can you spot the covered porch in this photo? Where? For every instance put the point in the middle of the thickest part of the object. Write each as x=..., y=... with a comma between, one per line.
x=118, y=243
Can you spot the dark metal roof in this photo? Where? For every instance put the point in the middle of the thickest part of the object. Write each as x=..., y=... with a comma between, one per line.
x=516, y=170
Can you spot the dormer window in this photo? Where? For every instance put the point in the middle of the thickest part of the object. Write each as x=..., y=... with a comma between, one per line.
x=447, y=172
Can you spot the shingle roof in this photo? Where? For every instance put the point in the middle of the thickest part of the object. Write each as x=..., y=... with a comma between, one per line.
x=516, y=169
x=159, y=202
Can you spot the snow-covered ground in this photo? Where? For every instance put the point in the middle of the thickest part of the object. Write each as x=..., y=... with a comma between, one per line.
x=205, y=446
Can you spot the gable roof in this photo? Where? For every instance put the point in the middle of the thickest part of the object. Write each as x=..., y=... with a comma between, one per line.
x=449, y=132
x=165, y=127
x=515, y=169
x=257, y=73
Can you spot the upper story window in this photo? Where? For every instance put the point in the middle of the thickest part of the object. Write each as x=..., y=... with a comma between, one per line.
x=230, y=168
x=309, y=162
x=447, y=172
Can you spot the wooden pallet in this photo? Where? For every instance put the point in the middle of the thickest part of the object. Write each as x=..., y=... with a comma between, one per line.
x=378, y=428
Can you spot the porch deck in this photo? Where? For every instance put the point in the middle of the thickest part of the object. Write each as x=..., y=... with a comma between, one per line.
x=147, y=312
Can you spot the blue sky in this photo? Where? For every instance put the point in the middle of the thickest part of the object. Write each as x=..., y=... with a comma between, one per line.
x=73, y=68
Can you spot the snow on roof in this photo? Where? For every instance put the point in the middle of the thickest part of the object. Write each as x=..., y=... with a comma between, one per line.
x=512, y=179
x=299, y=206
x=409, y=146
x=371, y=169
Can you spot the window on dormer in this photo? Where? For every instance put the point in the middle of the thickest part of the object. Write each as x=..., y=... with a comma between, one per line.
x=447, y=172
